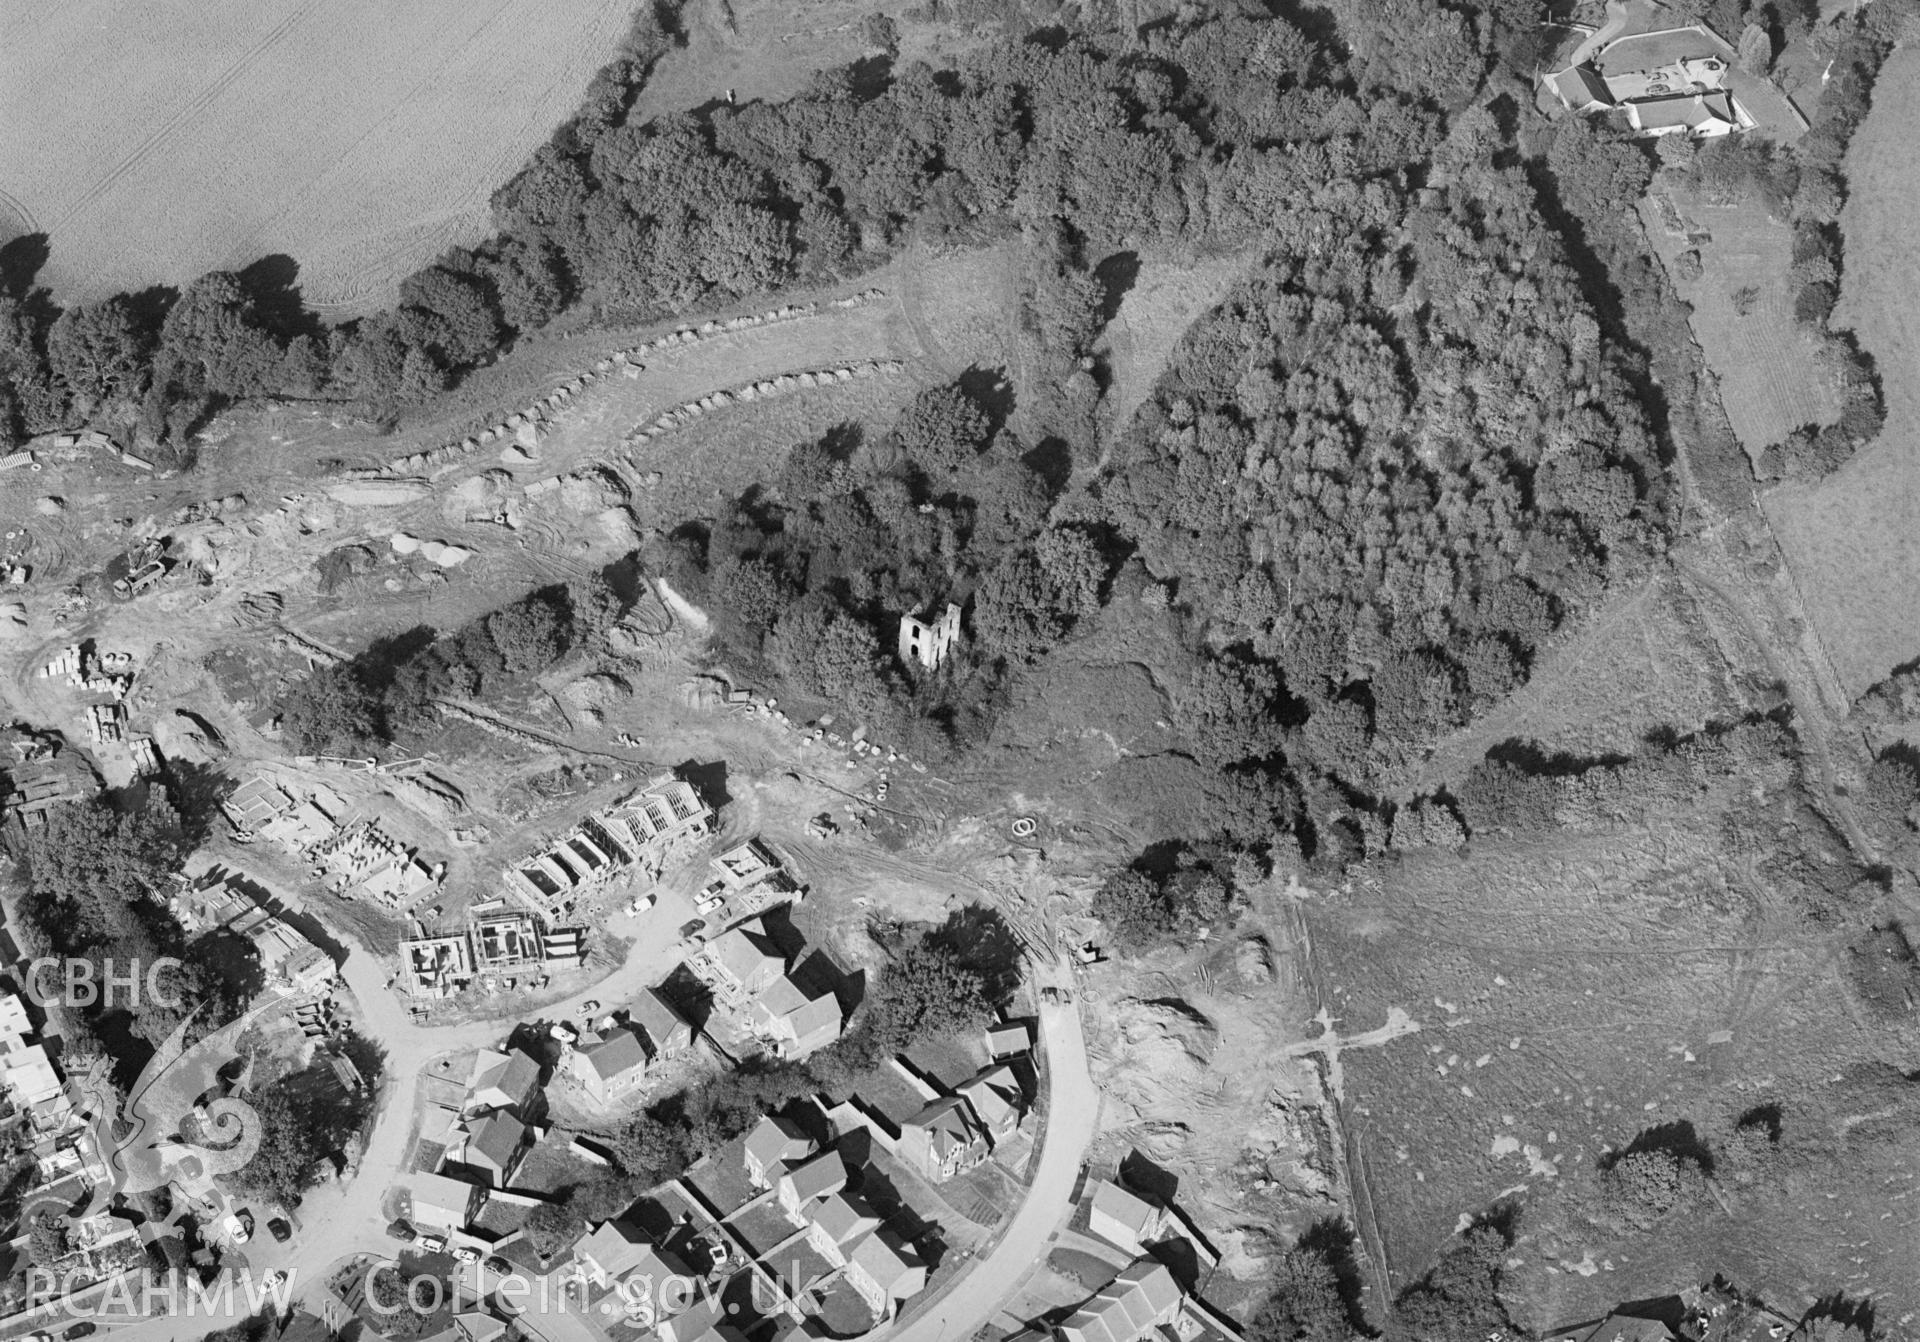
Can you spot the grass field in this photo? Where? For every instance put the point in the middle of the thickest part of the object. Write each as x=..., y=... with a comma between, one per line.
x=1851, y=538
x=1167, y=297
x=1574, y=993
x=360, y=138
x=1770, y=380
x=1655, y=656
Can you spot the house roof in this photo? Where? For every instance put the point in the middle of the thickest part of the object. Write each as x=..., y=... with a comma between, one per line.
x=477, y=1326
x=1150, y=1283
x=994, y=1092
x=1109, y=1199
x=304, y=1327
x=1134, y=1302
x=441, y=1193
x=1122, y=1312
x=1089, y=1324
x=944, y=1120
x=744, y=951
x=1580, y=87
x=1012, y=1037
x=782, y=997
x=513, y=1074
x=701, y=1317
x=825, y=1173
x=1661, y=113
x=665, y=1027
x=437, y=1123
x=776, y=1139
x=882, y=1260
x=843, y=1216
x=495, y=1139
x=616, y=1247
x=1626, y=1328
x=817, y=1022
x=616, y=1054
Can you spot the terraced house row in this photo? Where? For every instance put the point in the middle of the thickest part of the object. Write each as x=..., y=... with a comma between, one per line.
x=635, y=835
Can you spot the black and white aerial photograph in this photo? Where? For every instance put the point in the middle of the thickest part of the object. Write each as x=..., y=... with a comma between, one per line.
x=960, y=671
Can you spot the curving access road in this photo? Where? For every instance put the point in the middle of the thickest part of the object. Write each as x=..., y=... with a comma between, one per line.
x=970, y=1301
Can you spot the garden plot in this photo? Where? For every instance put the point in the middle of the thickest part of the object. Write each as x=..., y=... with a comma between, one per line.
x=1772, y=378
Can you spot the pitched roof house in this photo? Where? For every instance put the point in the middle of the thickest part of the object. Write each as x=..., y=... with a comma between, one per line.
x=502, y=1081
x=1708, y=115
x=800, y=1184
x=667, y=1031
x=475, y=1325
x=1122, y=1219
x=1142, y=1298
x=609, y=1066
x=997, y=1101
x=835, y=1222
x=774, y=1143
x=1627, y=1328
x=1580, y=89
x=1008, y=1039
x=795, y=1024
x=443, y=1203
x=884, y=1271
x=739, y=964
x=942, y=1140
x=494, y=1145
x=703, y=1320
x=616, y=1249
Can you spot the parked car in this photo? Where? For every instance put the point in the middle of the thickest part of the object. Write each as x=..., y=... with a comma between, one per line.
x=278, y=1228
x=642, y=904
x=233, y=1228
x=466, y=1255
x=84, y=1328
x=433, y=1244
x=499, y=1266
x=589, y=1007
x=246, y=1219
x=403, y=1232
x=276, y=1278
x=693, y=927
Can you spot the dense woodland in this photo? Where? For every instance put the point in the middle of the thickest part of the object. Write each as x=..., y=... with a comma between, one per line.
x=1435, y=425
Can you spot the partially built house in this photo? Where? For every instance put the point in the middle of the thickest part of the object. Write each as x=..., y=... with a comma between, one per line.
x=635, y=835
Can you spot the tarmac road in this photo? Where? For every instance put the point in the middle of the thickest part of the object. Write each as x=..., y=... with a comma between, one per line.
x=1073, y=1114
